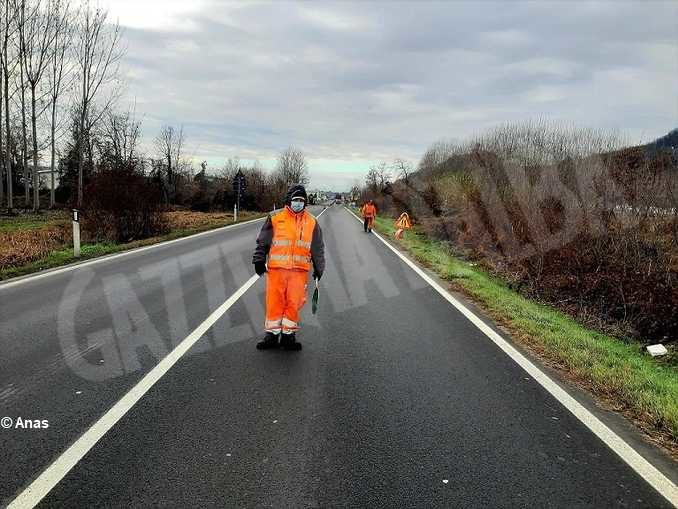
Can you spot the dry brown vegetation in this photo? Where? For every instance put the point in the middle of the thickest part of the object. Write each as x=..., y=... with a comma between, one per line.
x=564, y=215
x=24, y=246
x=189, y=220
x=35, y=238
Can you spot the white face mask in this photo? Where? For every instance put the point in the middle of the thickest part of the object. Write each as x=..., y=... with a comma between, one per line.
x=297, y=206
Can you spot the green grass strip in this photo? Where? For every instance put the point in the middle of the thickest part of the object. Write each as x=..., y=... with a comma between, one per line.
x=34, y=221
x=619, y=371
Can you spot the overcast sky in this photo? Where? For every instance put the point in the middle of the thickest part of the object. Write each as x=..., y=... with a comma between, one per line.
x=354, y=83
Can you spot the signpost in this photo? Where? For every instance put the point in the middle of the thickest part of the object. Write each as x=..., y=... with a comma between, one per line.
x=239, y=187
x=76, y=233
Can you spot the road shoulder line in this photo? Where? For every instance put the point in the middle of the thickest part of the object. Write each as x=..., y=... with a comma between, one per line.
x=627, y=453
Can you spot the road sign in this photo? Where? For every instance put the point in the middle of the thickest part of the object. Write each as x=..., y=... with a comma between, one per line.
x=239, y=182
x=239, y=187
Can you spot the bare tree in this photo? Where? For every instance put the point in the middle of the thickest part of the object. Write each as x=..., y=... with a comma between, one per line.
x=292, y=168
x=231, y=167
x=2, y=59
x=381, y=174
x=436, y=155
x=59, y=75
x=256, y=179
x=36, y=34
x=2, y=163
x=97, y=53
x=24, y=126
x=8, y=66
x=169, y=145
x=403, y=169
x=119, y=135
x=372, y=179
x=355, y=191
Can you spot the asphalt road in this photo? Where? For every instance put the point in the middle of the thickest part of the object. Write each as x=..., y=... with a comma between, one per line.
x=396, y=400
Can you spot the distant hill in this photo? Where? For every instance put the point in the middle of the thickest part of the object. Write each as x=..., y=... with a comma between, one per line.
x=667, y=142
x=670, y=140
x=657, y=156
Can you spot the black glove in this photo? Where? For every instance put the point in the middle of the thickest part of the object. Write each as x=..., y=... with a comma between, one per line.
x=260, y=268
x=317, y=275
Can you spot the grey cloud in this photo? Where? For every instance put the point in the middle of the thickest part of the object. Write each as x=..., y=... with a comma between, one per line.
x=386, y=79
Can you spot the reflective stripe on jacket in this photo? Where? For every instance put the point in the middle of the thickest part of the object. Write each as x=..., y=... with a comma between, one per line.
x=266, y=241
x=291, y=243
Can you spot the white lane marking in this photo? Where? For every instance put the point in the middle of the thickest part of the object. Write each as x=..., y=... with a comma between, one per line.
x=35, y=492
x=26, y=279
x=627, y=453
x=321, y=213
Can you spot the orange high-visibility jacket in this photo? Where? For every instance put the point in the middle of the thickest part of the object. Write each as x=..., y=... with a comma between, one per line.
x=291, y=241
x=369, y=210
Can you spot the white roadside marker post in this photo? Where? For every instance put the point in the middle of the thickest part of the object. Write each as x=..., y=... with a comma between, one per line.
x=235, y=213
x=76, y=233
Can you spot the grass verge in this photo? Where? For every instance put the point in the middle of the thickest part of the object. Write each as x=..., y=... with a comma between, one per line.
x=26, y=222
x=617, y=372
x=65, y=256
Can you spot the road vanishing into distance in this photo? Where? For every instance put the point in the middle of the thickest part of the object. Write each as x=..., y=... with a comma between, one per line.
x=397, y=399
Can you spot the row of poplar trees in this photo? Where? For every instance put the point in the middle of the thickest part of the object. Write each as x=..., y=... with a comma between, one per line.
x=56, y=56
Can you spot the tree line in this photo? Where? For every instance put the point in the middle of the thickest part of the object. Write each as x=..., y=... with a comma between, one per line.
x=379, y=175
x=58, y=62
x=213, y=190
x=60, y=87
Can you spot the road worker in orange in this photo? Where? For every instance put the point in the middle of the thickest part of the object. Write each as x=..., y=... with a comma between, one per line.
x=369, y=212
x=289, y=245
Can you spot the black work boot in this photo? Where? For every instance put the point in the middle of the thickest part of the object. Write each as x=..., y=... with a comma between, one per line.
x=270, y=341
x=289, y=342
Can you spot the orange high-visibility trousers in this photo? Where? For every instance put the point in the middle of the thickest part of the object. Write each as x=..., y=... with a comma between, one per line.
x=285, y=296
